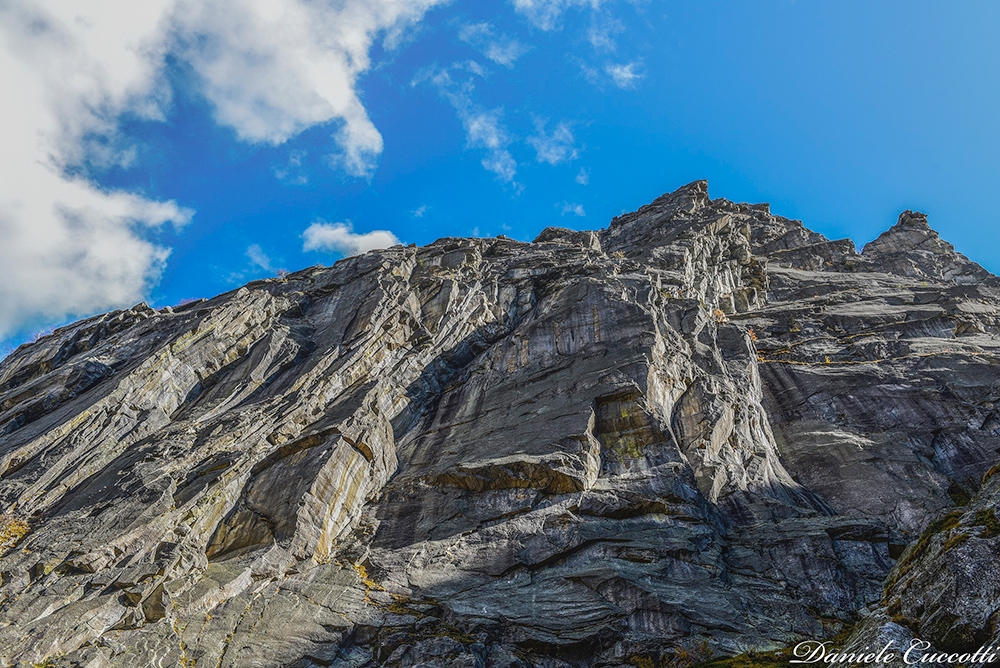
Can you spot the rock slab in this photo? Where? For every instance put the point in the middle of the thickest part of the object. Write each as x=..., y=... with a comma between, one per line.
x=700, y=431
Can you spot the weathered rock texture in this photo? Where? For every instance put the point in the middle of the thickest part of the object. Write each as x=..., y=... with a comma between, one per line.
x=700, y=431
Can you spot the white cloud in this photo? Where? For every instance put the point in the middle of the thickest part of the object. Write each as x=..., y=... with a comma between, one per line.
x=259, y=262
x=419, y=211
x=339, y=238
x=259, y=259
x=554, y=148
x=591, y=74
x=483, y=130
x=501, y=49
x=70, y=70
x=292, y=172
x=575, y=209
x=602, y=37
x=68, y=248
x=602, y=32
x=273, y=69
x=483, y=127
x=506, y=52
x=545, y=14
x=583, y=177
x=624, y=75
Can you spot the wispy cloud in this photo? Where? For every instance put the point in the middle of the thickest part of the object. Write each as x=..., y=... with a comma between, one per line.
x=419, y=211
x=624, y=75
x=259, y=259
x=340, y=238
x=572, y=208
x=583, y=176
x=258, y=262
x=484, y=129
x=292, y=172
x=554, y=148
x=603, y=30
x=499, y=48
x=621, y=75
x=602, y=36
x=545, y=14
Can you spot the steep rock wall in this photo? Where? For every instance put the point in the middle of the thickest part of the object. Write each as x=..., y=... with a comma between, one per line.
x=702, y=430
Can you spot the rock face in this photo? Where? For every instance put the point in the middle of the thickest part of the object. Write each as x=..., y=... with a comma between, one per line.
x=700, y=431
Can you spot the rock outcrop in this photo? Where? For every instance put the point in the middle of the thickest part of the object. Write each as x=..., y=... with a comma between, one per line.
x=701, y=431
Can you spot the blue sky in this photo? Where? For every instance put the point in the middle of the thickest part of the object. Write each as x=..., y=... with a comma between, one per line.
x=179, y=150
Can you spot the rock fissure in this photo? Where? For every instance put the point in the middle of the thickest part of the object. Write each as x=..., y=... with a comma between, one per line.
x=704, y=429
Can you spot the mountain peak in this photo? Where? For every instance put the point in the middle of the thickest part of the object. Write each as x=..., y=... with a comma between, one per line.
x=911, y=231
x=686, y=199
x=913, y=219
x=912, y=247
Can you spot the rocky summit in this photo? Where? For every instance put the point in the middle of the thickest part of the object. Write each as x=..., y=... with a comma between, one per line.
x=700, y=432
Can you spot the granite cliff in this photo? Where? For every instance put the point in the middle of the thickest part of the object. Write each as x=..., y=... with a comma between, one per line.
x=701, y=431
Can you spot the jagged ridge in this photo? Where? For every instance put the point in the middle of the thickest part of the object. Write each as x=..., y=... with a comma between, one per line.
x=704, y=429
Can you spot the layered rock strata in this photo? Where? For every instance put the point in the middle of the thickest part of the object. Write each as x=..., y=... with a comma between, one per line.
x=701, y=431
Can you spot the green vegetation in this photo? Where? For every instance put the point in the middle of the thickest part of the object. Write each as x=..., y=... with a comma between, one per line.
x=987, y=518
x=750, y=660
x=954, y=541
x=913, y=553
x=678, y=657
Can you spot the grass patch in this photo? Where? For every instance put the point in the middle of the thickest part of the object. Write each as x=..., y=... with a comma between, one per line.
x=987, y=518
x=750, y=660
x=954, y=541
x=913, y=553
x=678, y=657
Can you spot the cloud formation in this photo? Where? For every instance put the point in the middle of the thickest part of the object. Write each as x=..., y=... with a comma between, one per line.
x=501, y=49
x=339, y=238
x=624, y=75
x=292, y=173
x=71, y=70
x=545, y=14
x=67, y=247
x=602, y=32
x=484, y=128
x=259, y=259
x=554, y=148
x=273, y=69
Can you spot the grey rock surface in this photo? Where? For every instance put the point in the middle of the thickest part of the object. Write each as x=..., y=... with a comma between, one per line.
x=701, y=431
